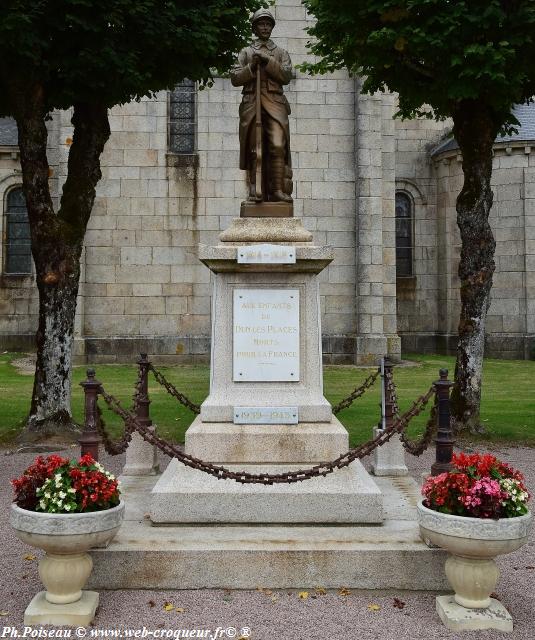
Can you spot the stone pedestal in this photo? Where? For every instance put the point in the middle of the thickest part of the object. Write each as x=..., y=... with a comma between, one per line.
x=141, y=458
x=389, y=459
x=282, y=375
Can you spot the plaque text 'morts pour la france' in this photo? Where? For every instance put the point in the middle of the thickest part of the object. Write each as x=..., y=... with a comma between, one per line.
x=266, y=335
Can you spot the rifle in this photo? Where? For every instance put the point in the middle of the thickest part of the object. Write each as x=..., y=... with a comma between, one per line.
x=258, y=167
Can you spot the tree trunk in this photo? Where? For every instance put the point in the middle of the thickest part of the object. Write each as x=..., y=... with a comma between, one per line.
x=57, y=241
x=475, y=129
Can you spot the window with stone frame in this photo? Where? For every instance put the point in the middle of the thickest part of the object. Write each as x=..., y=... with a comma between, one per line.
x=183, y=117
x=17, y=248
x=404, y=235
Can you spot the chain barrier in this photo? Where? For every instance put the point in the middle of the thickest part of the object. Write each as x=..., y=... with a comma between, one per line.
x=115, y=447
x=173, y=451
x=414, y=447
x=357, y=392
x=172, y=390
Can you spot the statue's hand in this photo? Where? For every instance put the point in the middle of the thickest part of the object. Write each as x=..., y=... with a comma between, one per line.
x=263, y=57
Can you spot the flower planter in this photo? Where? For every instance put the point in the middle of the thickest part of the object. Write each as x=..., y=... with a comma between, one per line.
x=471, y=569
x=66, y=538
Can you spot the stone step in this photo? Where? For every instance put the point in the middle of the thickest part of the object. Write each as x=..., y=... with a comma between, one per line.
x=387, y=556
x=184, y=495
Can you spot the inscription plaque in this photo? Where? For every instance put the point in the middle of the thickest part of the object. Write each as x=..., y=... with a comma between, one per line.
x=266, y=335
x=266, y=254
x=266, y=415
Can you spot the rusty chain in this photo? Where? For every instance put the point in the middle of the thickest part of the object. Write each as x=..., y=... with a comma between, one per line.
x=172, y=390
x=113, y=447
x=173, y=451
x=414, y=447
x=357, y=392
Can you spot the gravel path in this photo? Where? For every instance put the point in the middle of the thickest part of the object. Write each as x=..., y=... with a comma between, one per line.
x=274, y=615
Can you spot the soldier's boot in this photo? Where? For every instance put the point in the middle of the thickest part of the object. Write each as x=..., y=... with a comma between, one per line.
x=277, y=180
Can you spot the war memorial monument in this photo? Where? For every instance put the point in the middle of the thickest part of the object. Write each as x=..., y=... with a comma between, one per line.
x=266, y=413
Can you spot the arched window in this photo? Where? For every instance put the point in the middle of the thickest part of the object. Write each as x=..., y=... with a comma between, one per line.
x=17, y=251
x=404, y=234
x=182, y=118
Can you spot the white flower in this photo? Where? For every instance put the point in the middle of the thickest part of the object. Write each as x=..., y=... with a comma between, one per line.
x=42, y=504
x=67, y=507
x=57, y=477
x=47, y=495
x=71, y=490
x=62, y=495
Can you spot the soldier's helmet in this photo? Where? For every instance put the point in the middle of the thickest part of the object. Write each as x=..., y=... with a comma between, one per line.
x=262, y=13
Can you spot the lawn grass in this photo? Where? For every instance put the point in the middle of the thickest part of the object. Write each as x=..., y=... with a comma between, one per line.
x=508, y=406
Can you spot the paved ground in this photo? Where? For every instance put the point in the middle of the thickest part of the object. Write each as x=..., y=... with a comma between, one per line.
x=271, y=615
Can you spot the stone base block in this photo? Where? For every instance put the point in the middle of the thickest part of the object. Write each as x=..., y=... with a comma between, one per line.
x=184, y=495
x=266, y=230
x=389, y=459
x=76, y=614
x=459, y=618
x=218, y=556
x=141, y=458
x=226, y=442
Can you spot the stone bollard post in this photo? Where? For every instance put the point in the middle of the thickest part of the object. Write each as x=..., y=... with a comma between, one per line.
x=90, y=439
x=141, y=457
x=388, y=459
x=444, y=440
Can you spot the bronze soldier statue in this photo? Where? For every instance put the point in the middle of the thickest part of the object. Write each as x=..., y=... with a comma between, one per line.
x=262, y=69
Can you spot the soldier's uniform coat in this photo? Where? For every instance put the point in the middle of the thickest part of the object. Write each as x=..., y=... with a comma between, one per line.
x=277, y=72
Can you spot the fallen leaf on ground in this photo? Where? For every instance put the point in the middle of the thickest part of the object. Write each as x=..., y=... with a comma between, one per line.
x=399, y=604
x=179, y=609
x=151, y=603
x=168, y=606
x=344, y=591
x=373, y=607
x=29, y=557
x=4, y=613
x=530, y=567
x=302, y=595
x=320, y=591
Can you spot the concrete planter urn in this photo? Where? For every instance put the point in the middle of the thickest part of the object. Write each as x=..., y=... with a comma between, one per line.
x=66, y=538
x=473, y=543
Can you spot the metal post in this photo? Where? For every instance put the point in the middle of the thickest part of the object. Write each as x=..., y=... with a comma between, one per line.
x=382, y=424
x=389, y=458
x=444, y=440
x=141, y=457
x=143, y=401
x=388, y=366
x=90, y=440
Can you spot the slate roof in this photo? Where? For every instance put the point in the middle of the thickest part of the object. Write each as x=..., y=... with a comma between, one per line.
x=8, y=132
x=524, y=113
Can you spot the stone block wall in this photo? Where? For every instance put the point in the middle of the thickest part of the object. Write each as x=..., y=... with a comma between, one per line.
x=419, y=305
x=19, y=300
x=510, y=319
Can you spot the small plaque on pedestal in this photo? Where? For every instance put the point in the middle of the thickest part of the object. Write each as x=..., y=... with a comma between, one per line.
x=266, y=254
x=266, y=415
x=266, y=335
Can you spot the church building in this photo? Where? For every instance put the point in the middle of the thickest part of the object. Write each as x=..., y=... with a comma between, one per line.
x=379, y=190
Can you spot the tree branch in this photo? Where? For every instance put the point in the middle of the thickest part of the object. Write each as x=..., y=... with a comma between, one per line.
x=91, y=132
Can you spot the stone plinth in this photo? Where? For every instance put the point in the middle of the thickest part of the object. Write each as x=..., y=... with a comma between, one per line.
x=185, y=495
x=389, y=459
x=266, y=361
x=229, y=443
x=225, y=393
